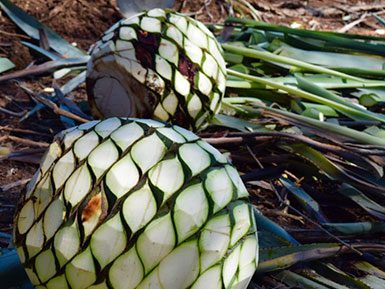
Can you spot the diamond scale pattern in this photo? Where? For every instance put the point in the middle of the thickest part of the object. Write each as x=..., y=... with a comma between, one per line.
x=151, y=56
x=118, y=220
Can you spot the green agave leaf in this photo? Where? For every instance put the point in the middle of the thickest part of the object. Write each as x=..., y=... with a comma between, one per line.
x=317, y=159
x=272, y=259
x=311, y=87
x=271, y=57
x=328, y=59
x=322, y=280
x=379, y=74
x=5, y=64
x=265, y=224
x=236, y=123
x=370, y=96
x=375, y=131
x=312, y=110
x=263, y=95
x=363, y=201
x=373, y=282
x=331, y=272
x=353, y=135
x=31, y=27
x=267, y=239
x=331, y=170
x=380, y=19
x=324, y=81
x=361, y=114
x=340, y=106
x=296, y=280
x=42, y=51
x=329, y=39
x=356, y=228
x=233, y=58
x=370, y=269
x=74, y=83
x=241, y=68
x=304, y=199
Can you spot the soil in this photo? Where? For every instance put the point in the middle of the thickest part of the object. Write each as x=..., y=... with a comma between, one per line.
x=81, y=22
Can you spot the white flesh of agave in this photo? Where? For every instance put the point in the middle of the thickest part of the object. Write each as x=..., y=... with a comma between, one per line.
x=54, y=151
x=156, y=242
x=139, y=208
x=164, y=52
x=67, y=244
x=126, y=135
x=151, y=24
x=116, y=180
x=148, y=152
x=181, y=267
x=98, y=165
x=105, y=128
x=220, y=188
x=35, y=239
x=78, y=185
x=212, y=277
x=190, y=211
x=80, y=272
x=194, y=106
x=63, y=169
x=45, y=265
x=242, y=223
x=170, y=103
x=53, y=218
x=167, y=176
x=182, y=86
x=120, y=277
x=171, y=134
x=230, y=267
x=108, y=241
x=148, y=206
x=59, y=282
x=214, y=241
x=196, y=158
x=26, y=217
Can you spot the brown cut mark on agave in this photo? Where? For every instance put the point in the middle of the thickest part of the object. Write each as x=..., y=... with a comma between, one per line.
x=146, y=48
x=187, y=68
x=93, y=208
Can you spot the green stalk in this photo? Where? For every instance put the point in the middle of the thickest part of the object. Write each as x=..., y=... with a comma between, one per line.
x=341, y=105
x=329, y=83
x=362, y=72
x=271, y=57
x=355, y=135
x=338, y=39
x=358, y=136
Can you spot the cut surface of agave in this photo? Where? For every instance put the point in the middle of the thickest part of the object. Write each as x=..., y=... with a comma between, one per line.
x=131, y=203
x=157, y=64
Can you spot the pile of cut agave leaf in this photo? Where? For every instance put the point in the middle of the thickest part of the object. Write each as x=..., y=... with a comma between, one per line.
x=303, y=121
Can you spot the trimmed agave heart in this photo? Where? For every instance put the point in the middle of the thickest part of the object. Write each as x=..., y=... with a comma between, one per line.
x=157, y=64
x=130, y=203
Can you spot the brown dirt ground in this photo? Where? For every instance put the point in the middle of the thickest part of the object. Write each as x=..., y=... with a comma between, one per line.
x=82, y=22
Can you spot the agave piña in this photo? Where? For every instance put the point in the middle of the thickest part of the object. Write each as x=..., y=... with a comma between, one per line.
x=157, y=64
x=130, y=203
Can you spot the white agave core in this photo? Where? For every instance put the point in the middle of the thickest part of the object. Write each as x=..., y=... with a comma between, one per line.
x=157, y=64
x=130, y=203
